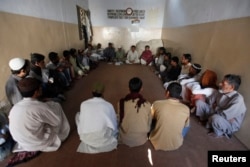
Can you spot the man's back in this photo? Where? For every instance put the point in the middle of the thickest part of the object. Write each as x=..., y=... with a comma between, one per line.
x=32, y=123
x=96, y=113
x=97, y=126
x=171, y=116
x=135, y=123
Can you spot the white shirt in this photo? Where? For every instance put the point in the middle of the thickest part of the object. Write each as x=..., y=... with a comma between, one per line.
x=133, y=56
x=38, y=126
x=97, y=126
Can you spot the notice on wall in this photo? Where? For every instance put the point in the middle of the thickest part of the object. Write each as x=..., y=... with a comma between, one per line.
x=122, y=14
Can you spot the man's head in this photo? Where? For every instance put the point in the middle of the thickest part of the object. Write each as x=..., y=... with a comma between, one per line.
x=73, y=51
x=19, y=66
x=186, y=58
x=90, y=46
x=98, y=89
x=174, y=90
x=174, y=61
x=66, y=54
x=230, y=83
x=194, y=69
x=167, y=56
x=135, y=85
x=110, y=44
x=30, y=87
x=54, y=58
x=37, y=60
x=147, y=47
x=133, y=48
x=161, y=50
x=99, y=45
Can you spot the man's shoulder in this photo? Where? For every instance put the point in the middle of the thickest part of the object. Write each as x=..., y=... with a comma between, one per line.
x=146, y=103
x=87, y=101
x=238, y=96
x=158, y=102
x=95, y=100
x=185, y=107
x=170, y=102
x=11, y=82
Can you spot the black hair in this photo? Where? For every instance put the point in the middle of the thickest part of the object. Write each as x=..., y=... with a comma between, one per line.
x=72, y=51
x=66, y=53
x=135, y=85
x=36, y=57
x=169, y=55
x=28, y=86
x=96, y=94
x=175, y=59
x=234, y=80
x=163, y=49
x=174, y=90
x=187, y=56
x=53, y=56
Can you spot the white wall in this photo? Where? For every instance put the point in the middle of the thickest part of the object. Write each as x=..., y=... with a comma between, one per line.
x=58, y=10
x=153, y=16
x=188, y=12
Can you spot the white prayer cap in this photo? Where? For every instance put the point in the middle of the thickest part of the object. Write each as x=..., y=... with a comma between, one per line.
x=16, y=63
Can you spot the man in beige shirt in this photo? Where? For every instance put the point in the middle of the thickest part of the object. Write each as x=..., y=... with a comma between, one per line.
x=134, y=115
x=172, y=120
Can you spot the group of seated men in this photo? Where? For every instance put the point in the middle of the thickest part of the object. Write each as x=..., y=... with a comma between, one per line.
x=220, y=108
x=53, y=79
x=37, y=122
x=120, y=56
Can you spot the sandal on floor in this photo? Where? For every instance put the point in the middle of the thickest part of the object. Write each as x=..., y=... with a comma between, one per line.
x=20, y=157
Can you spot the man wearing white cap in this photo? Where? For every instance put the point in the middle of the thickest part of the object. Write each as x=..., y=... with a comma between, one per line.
x=192, y=78
x=20, y=69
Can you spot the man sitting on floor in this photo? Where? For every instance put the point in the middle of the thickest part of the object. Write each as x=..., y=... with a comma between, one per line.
x=97, y=123
x=146, y=56
x=193, y=76
x=133, y=56
x=20, y=68
x=172, y=120
x=109, y=52
x=225, y=110
x=36, y=126
x=134, y=114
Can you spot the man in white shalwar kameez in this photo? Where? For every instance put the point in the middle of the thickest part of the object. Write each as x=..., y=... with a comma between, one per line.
x=36, y=125
x=97, y=124
x=133, y=56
